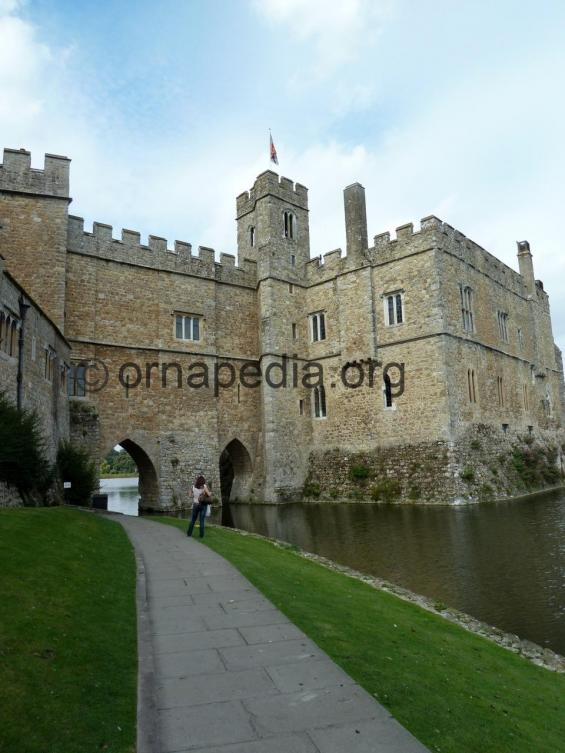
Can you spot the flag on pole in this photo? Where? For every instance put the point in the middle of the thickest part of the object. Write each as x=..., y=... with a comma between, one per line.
x=272, y=150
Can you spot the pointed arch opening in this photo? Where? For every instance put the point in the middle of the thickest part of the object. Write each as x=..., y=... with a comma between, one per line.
x=125, y=492
x=236, y=472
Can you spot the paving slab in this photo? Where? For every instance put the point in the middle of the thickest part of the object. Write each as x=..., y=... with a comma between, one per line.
x=223, y=671
x=192, y=691
x=167, y=644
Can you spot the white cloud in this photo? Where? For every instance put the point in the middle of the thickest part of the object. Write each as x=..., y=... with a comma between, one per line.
x=485, y=155
x=10, y=6
x=22, y=60
x=339, y=32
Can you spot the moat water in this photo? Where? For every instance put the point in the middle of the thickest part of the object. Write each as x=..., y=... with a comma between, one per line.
x=503, y=562
x=123, y=494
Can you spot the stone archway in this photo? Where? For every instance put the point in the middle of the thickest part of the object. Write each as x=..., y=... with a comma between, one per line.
x=148, y=480
x=236, y=472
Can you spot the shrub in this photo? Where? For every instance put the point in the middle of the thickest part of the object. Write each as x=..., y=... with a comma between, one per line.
x=386, y=490
x=475, y=444
x=359, y=472
x=468, y=474
x=312, y=489
x=23, y=457
x=414, y=492
x=486, y=491
x=74, y=464
x=536, y=466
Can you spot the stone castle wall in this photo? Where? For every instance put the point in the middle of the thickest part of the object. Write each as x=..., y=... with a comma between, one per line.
x=45, y=360
x=116, y=301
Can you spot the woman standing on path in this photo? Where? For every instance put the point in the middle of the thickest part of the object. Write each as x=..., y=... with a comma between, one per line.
x=201, y=496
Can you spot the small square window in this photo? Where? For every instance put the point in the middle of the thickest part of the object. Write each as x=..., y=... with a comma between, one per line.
x=187, y=327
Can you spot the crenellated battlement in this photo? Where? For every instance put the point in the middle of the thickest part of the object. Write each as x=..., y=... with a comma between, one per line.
x=156, y=253
x=17, y=174
x=434, y=233
x=269, y=183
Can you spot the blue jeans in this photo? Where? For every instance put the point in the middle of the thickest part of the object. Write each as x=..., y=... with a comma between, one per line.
x=198, y=511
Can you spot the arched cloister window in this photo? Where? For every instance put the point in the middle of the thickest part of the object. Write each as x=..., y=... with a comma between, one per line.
x=6, y=334
x=2, y=332
x=13, y=338
x=319, y=398
x=289, y=224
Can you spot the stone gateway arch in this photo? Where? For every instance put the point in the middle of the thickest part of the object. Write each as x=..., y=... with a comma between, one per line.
x=198, y=364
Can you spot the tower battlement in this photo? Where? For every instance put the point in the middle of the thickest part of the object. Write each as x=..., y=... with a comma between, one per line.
x=17, y=174
x=269, y=183
x=156, y=253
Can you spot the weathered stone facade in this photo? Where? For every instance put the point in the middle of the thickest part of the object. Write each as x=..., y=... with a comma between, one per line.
x=34, y=355
x=471, y=337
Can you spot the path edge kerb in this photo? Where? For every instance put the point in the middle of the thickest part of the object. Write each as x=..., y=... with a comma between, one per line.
x=147, y=719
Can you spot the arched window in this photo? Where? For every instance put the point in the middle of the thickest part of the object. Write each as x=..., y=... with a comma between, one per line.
x=5, y=344
x=467, y=308
x=252, y=236
x=289, y=225
x=320, y=402
x=500, y=391
x=14, y=339
x=2, y=333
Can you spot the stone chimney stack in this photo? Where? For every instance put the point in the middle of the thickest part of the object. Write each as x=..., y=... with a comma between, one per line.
x=526, y=266
x=355, y=220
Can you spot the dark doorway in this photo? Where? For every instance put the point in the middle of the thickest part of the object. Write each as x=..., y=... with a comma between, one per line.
x=235, y=473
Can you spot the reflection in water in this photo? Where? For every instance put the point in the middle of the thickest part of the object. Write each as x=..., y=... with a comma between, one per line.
x=503, y=563
x=123, y=494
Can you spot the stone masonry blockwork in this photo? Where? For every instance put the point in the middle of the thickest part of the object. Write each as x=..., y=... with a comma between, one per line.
x=471, y=338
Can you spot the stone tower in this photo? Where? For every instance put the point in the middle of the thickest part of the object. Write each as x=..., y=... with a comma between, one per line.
x=34, y=227
x=273, y=231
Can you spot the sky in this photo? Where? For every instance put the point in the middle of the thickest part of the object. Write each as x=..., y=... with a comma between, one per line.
x=451, y=107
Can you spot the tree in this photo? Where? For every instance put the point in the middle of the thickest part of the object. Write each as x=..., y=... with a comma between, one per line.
x=75, y=465
x=23, y=456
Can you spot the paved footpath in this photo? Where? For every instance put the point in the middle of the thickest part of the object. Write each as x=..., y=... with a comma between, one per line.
x=223, y=671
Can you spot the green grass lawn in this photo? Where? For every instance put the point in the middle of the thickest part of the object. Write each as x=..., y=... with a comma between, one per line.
x=455, y=691
x=68, y=651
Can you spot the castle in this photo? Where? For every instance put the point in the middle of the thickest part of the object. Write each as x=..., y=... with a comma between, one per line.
x=411, y=361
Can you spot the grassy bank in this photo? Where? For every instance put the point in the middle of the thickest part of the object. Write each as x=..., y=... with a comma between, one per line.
x=67, y=633
x=456, y=692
